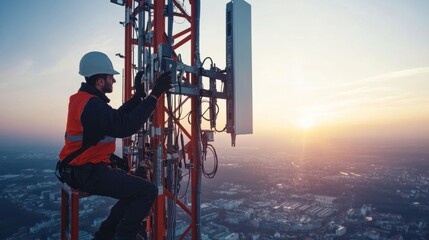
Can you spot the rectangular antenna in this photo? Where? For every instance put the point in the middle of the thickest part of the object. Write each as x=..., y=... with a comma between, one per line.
x=239, y=68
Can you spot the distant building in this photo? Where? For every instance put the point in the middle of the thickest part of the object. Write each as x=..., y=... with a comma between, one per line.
x=239, y=216
x=365, y=209
x=232, y=236
x=306, y=226
x=209, y=216
x=45, y=195
x=41, y=225
x=353, y=215
x=204, y=236
x=269, y=224
x=255, y=236
x=228, y=204
x=326, y=201
x=221, y=235
x=341, y=230
x=373, y=234
x=83, y=235
x=54, y=196
x=96, y=222
x=332, y=225
x=214, y=231
x=209, y=212
x=255, y=222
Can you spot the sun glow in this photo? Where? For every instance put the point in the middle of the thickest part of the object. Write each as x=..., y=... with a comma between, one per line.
x=305, y=122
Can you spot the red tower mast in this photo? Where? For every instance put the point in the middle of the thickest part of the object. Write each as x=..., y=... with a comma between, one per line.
x=189, y=36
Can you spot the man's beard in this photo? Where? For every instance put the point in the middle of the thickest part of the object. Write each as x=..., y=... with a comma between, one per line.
x=107, y=89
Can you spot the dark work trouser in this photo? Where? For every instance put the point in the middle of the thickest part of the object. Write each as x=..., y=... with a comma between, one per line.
x=135, y=195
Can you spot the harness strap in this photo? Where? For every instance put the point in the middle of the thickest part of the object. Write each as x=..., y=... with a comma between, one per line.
x=62, y=164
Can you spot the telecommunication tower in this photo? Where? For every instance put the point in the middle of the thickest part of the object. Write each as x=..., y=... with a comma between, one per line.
x=171, y=147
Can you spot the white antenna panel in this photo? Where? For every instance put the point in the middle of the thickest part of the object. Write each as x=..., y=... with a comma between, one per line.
x=239, y=66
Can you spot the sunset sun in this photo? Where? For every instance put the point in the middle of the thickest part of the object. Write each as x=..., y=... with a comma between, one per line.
x=306, y=122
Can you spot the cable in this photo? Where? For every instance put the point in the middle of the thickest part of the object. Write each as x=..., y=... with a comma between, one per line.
x=215, y=117
x=179, y=83
x=208, y=108
x=211, y=60
x=184, y=9
x=219, y=131
x=187, y=184
x=215, y=162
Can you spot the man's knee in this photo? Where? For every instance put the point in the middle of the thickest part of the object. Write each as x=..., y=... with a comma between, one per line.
x=153, y=191
x=148, y=192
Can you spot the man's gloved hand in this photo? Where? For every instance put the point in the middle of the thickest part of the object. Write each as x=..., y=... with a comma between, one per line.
x=162, y=84
x=138, y=86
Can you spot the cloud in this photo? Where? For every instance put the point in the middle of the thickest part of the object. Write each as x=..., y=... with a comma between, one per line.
x=382, y=78
x=406, y=73
x=393, y=94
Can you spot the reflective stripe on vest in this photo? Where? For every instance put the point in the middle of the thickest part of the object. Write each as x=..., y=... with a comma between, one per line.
x=76, y=138
x=79, y=138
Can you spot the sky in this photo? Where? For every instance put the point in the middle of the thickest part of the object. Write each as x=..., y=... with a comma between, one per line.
x=323, y=69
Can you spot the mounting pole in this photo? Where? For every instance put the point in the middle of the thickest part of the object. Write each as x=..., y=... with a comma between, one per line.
x=196, y=126
x=159, y=228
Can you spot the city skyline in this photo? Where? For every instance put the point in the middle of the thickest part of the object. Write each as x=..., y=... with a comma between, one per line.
x=355, y=69
x=347, y=194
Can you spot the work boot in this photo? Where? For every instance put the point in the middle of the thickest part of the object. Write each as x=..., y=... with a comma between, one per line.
x=105, y=232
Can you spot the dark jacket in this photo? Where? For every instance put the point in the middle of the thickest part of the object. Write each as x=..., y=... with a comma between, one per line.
x=99, y=119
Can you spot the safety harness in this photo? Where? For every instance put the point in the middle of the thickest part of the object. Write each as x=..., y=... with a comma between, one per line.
x=63, y=171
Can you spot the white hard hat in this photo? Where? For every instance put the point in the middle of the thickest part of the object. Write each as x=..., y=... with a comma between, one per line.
x=95, y=63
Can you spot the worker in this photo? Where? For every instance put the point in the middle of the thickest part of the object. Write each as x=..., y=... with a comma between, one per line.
x=93, y=125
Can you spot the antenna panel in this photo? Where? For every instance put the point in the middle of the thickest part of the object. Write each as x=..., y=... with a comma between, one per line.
x=239, y=67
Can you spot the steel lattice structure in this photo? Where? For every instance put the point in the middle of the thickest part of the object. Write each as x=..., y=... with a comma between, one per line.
x=155, y=28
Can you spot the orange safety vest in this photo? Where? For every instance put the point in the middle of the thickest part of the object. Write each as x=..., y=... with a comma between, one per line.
x=74, y=135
